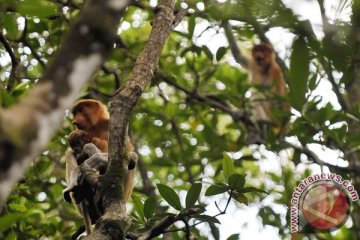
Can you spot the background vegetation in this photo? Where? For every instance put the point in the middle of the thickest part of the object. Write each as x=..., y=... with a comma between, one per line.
x=195, y=111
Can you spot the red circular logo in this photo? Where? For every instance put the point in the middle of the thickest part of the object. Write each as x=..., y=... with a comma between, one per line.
x=325, y=206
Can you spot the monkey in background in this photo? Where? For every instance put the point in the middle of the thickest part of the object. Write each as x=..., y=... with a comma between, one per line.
x=91, y=118
x=264, y=72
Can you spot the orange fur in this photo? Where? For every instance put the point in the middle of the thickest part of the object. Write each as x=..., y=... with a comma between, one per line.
x=92, y=117
x=267, y=73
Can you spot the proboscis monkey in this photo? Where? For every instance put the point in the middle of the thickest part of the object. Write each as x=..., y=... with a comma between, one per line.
x=267, y=73
x=91, y=118
x=264, y=72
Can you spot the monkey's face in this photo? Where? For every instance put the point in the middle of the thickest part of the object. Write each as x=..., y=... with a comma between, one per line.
x=86, y=114
x=80, y=119
x=262, y=54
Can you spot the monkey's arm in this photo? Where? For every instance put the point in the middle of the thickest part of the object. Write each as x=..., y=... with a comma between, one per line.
x=235, y=50
x=72, y=174
x=99, y=162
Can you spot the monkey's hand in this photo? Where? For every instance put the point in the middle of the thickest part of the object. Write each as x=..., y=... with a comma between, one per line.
x=87, y=181
x=98, y=162
x=88, y=151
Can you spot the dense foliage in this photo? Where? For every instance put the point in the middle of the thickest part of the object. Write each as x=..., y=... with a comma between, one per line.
x=190, y=148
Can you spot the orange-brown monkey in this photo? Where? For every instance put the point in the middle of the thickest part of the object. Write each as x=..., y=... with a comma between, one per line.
x=264, y=71
x=92, y=120
x=267, y=73
x=92, y=117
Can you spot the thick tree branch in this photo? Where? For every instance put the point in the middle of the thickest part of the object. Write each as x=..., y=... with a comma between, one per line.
x=115, y=222
x=26, y=127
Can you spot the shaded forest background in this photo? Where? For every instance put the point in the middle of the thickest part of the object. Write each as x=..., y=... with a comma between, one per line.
x=191, y=126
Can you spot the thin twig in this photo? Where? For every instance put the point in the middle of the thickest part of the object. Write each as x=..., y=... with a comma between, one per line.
x=162, y=226
x=310, y=154
x=14, y=63
x=26, y=42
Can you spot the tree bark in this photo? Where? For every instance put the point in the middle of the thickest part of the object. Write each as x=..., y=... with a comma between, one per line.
x=115, y=221
x=26, y=127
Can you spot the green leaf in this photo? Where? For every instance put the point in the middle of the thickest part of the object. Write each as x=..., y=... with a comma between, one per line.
x=313, y=82
x=6, y=99
x=7, y=220
x=234, y=237
x=191, y=25
x=18, y=207
x=12, y=236
x=214, y=230
x=169, y=196
x=44, y=166
x=299, y=73
x=10, y=24
x=335, y=51
x=216, y=189
x=207, y=52
x=241, y=198
x=227, y=166
x=35, y=214
x=193, y=195
x=150, y=207
x=220, y=53
x=36, y=8
x=21, y=89
x=236, y=182
x=139, y=206
x=184, y=51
